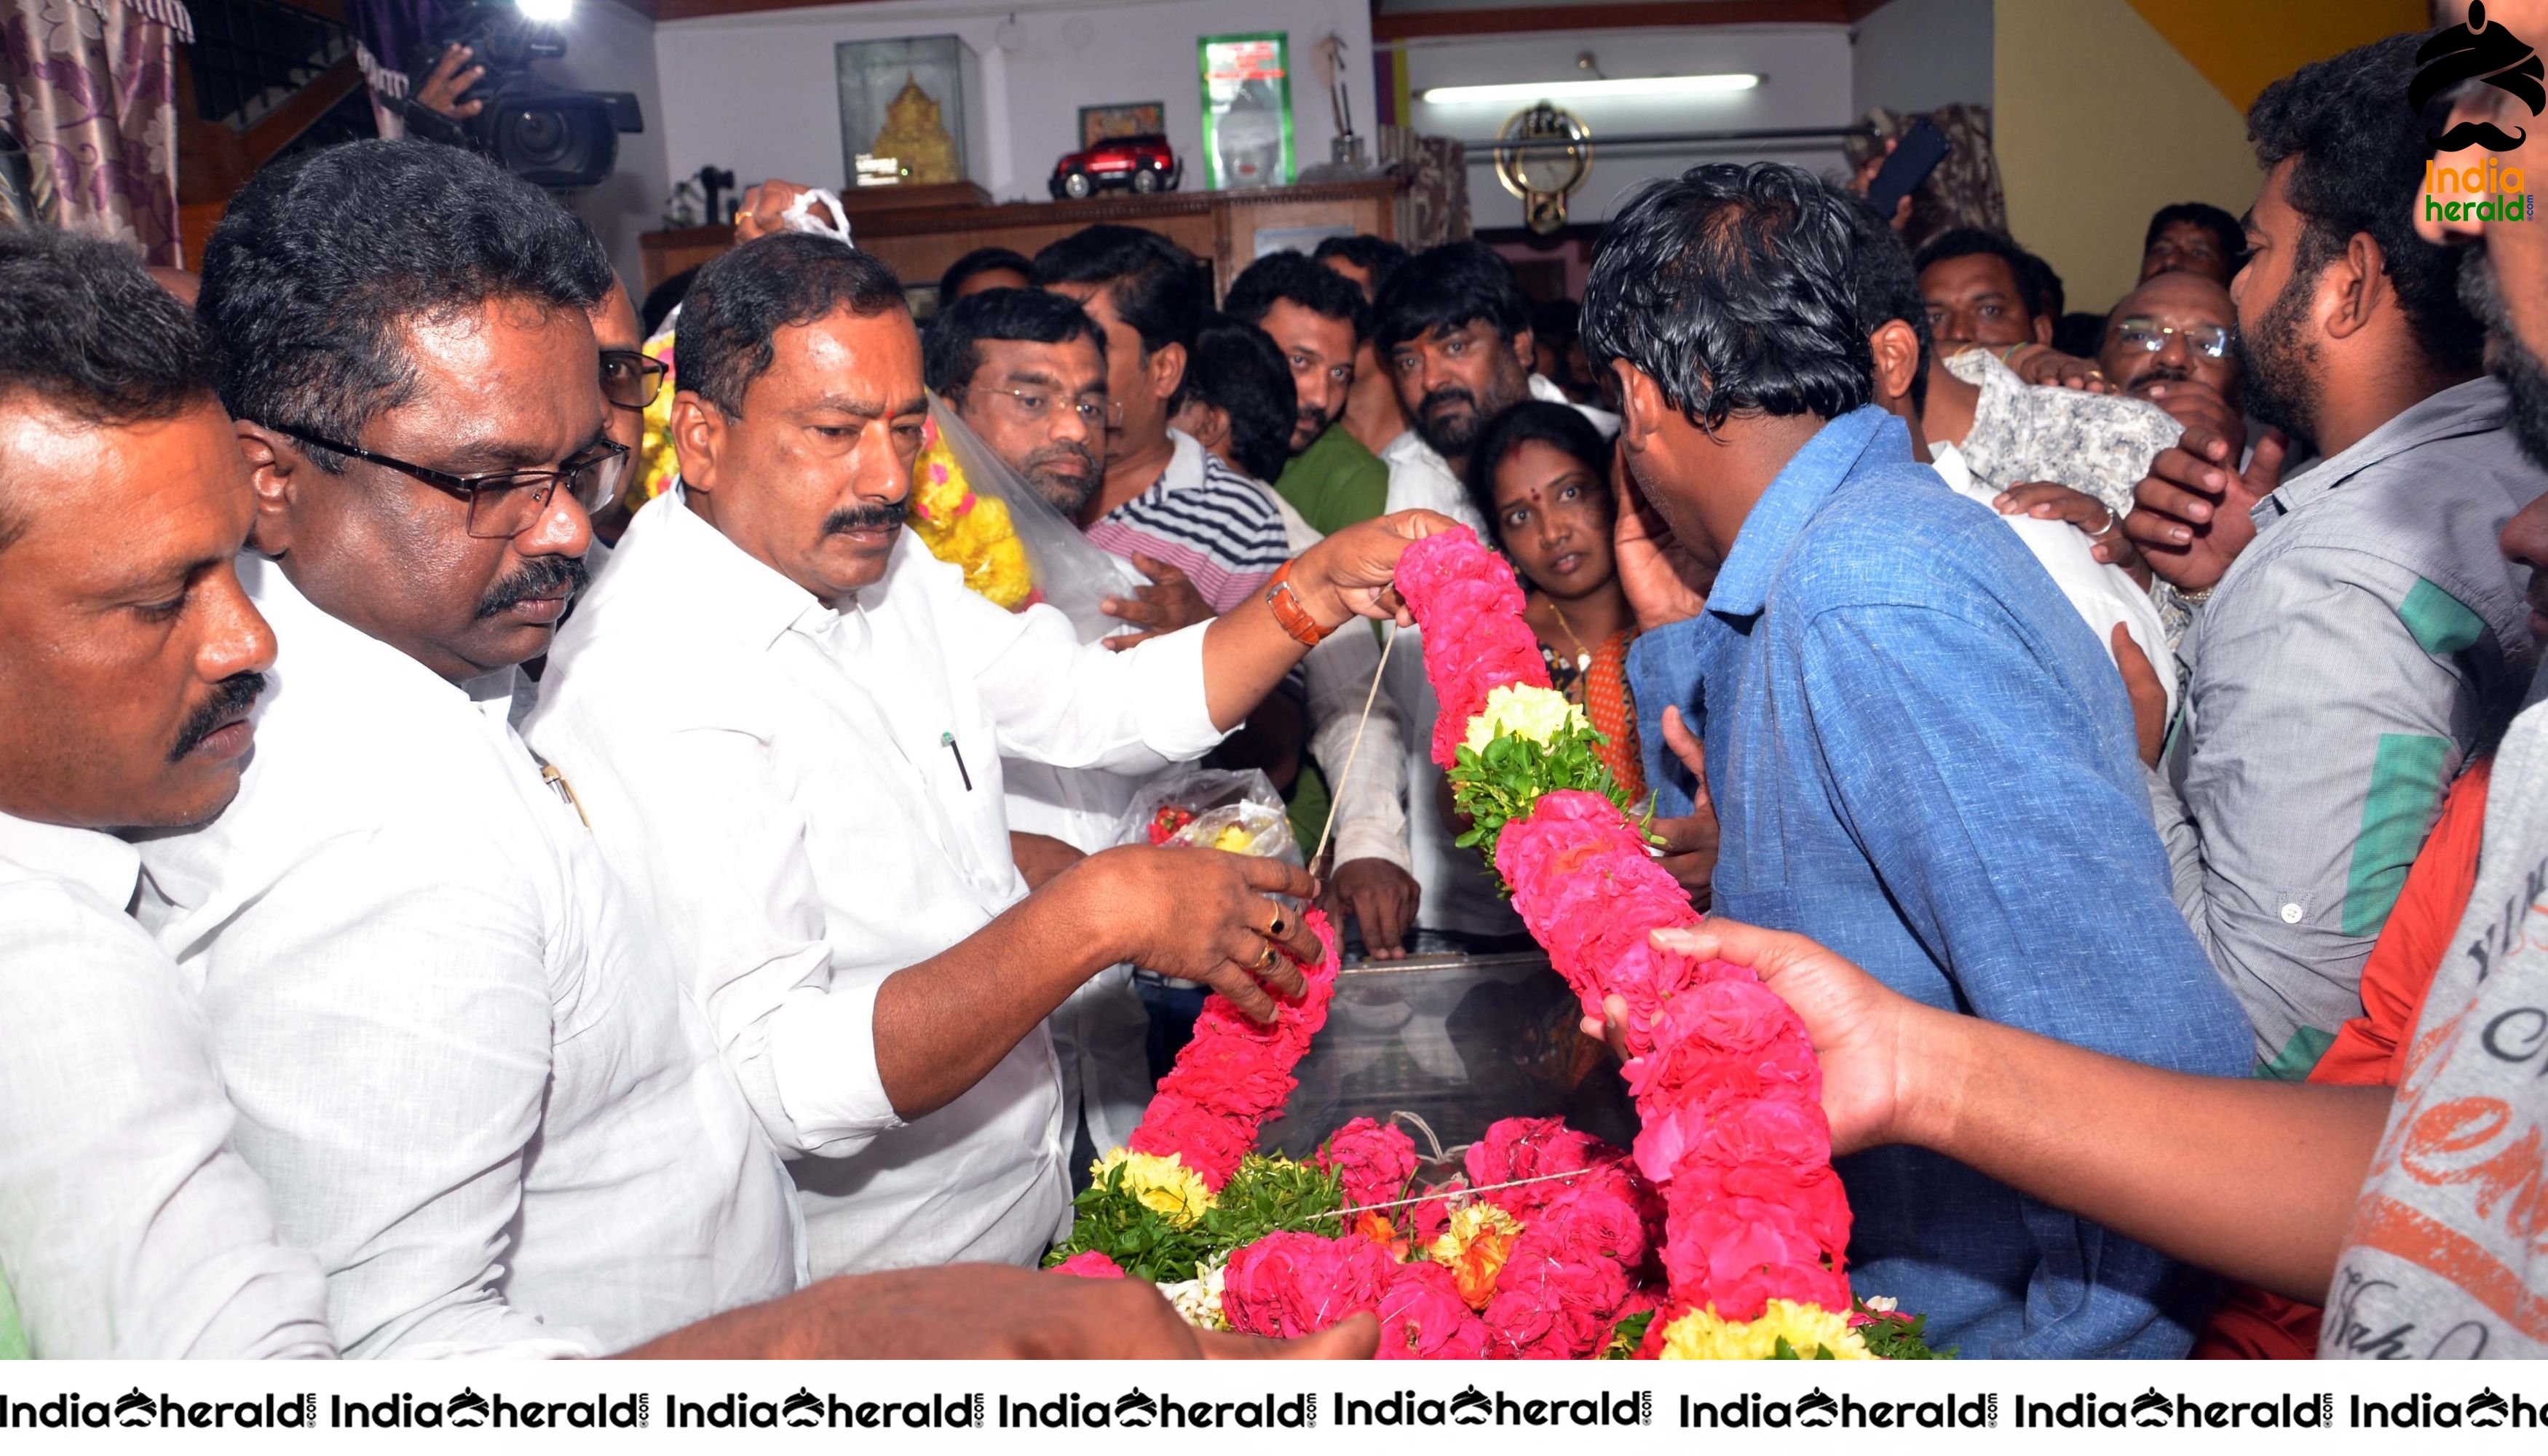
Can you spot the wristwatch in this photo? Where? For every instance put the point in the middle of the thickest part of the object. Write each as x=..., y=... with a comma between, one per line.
x=1289, y=610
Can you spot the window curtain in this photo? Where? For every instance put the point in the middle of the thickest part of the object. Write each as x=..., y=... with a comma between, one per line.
x=87, y=88
x=1435, y=207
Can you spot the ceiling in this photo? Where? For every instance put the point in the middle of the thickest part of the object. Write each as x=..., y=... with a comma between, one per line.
x=1405, y=20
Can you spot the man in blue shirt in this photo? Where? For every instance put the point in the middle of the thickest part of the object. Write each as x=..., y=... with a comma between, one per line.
x=1918, y=755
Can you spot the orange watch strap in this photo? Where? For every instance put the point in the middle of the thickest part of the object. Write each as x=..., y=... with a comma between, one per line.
x=1291, y=613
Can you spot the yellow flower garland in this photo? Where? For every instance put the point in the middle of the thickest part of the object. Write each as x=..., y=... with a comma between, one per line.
x=1163, y=1185
x=968, y=530
x=1809, y=1329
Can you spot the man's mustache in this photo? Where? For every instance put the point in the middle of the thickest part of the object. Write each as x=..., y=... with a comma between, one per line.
x=539, y=578
x=2477, y=133
x=1312, y=421
x=884, y=516
x=231, y=697
x=1447, y=394
x=1071, y=450
x=2162, y=374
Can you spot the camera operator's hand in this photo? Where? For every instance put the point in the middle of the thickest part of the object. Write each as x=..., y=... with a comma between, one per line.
x=450, y=79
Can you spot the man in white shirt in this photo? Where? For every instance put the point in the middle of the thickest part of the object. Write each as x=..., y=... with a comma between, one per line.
x=1025, y=371
x=464, y=1064
x=129, y=661
x=2117, y=609
x=1453, y=329
x=129, y=1225
x=787, y=721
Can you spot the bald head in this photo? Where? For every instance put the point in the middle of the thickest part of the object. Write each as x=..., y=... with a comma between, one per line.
x=2174, y=327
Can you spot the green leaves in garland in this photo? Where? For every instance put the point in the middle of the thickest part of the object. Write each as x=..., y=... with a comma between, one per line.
x=1502, y=781
x=1266, y=1194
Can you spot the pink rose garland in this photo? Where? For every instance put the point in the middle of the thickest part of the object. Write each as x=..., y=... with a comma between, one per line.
x=1374, y=1162
x=1090, y=1264
x=1474, y=618
x=1236, y=1075
x=1723, y=1074
x=1290, y=1285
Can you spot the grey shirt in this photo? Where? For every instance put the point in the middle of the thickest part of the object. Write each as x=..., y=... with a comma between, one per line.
x=2445, y=1258
x=2357, y=652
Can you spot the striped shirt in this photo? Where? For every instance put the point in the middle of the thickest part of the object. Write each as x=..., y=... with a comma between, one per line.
x=1206, y=519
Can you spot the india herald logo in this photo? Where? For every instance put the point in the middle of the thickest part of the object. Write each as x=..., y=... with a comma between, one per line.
x=2481, y=51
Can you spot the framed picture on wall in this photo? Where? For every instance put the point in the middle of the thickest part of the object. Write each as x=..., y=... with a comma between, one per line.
x=1247, y=108
x=1123, y=118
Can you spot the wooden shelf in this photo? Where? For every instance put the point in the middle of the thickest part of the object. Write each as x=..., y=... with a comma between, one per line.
x=1219, y=228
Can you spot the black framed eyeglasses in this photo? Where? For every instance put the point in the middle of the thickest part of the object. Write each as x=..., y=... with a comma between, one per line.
x=630, y=379
x=501, y=504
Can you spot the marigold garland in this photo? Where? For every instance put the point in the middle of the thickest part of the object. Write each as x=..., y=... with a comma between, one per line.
x=966, y=529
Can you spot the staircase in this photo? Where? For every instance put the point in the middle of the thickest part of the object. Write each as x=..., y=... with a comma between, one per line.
x=263, y=79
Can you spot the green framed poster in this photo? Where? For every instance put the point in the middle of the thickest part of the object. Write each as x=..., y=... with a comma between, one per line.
x=1247, y=108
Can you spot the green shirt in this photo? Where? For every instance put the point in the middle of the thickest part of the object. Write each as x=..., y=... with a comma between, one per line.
x=1336, y=482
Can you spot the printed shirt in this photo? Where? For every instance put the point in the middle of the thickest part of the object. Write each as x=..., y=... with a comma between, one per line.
x=1206, y=519
x=1335, y=482
x=462, y=1058
x=810, y=799
x=1922, y=759
x=2445, y=1258
x=2101, y=444
x=2355, y=655
x=129, y=1227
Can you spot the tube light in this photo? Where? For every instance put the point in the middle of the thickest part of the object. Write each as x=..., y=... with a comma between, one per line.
x=1589, y=90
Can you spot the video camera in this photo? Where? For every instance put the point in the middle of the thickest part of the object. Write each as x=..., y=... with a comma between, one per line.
x=548, y=134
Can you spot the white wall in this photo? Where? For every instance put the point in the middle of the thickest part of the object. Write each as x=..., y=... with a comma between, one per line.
x=757, y=93
x=1917, y=54
x=611, y=48
x=1806, y=71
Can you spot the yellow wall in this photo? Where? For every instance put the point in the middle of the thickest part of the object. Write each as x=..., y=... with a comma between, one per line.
x=2244, y=45
x=2099, y=122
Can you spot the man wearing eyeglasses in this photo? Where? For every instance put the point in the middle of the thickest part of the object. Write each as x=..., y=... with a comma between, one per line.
x=630, y=381
x=2175, y=327
x=464, y=1064
x=1025, y=370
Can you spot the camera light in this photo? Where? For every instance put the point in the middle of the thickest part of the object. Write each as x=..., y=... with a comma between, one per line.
x=546, y=12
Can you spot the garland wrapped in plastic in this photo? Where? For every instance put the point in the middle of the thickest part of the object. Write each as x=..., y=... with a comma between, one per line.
x=1724, y=1078
x=964, y=529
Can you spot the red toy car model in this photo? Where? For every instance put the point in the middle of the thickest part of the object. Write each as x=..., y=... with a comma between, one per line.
x=1143, y=163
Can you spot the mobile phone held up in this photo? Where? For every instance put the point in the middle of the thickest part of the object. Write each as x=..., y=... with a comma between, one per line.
x=1914, y=159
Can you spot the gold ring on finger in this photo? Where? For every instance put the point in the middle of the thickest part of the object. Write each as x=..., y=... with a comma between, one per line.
x=1276, y=929
x=1265, y=957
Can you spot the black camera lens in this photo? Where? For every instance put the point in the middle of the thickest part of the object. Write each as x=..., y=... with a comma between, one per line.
x=538, y=136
